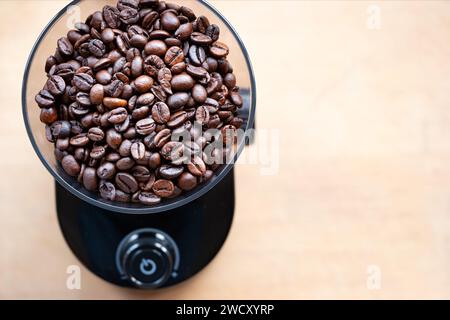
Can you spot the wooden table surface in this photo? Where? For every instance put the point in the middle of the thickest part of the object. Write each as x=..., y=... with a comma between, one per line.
x=359, y=206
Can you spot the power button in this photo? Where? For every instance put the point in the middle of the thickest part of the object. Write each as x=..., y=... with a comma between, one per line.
x=147, y=259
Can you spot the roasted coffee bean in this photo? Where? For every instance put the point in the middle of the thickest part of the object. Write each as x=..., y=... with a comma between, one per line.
x=112, y=157
x=102, y=64
x=111, y=16
x=45, y=99
x=236, y=98
x=96, y=134
x=122, y=196
x=51, y=61
x=127, y=4
x=213, y=86
x=125, y=163
x=107, y=35
x=187, y=181
x=106, y=171
x=112, y=103
x=177, y=100
x=172, y=151
x=70, y=165
x=177, y=119
x=207, y=176
x=197, y=55
x=173, y=56
x=125, y=148
x=62, y=144
x=83, y=81
x=130, y=133
x=60, y=129
x=228, y=134
x=152, y=64
x=196, y=166
x=103, y=77
x=214, y=122
x=161, y=112
x=56, y=85
x=237, y=122
x=97, y=94
x=184, y=31
x=155, y=47
x=229, y=80
x=182, y=82
x=118, y=115
x=164, y=78
x=170, y=21
x=79, y=140
x=121, y=77
x=113, y=138
x=83, y=99
x=145, y=126
x=73, y=36
x=196, y=72
x=219, y=50
x=126, y=182
x=143, y=83
x=81, y=155
x=213, y=31
x=138, y=150
x=159, y=93
x=202, y=24
x=123, y=126
x=121, y=44
x=114, y=89
x=77, y=109
x=178, y=68
x=163, y=188
x=202, y=115
x=170, y=172
x=65, y=47
x=97, y=48
x=129, y=16
x=148, y=198
x=155, y=160
x=210, y=64
x=107, y=190
x=137, y=66
x=183, y=129
x=140, y=113
x=173, y=42
x=133, y=53
x=138, y=41
x=90, y=181
x=187, y=12
x=48, y=115
x=59, y=155
x=200, y=39
x=161, y=138
x=149, y=19
x=199, y=93
x=140, y=173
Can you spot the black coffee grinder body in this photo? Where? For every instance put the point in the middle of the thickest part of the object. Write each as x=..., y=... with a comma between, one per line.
x=148, y=250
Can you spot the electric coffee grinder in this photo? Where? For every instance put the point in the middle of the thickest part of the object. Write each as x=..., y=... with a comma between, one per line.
x=130, y=244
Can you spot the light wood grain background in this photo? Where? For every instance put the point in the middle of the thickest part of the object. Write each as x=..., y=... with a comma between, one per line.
x=364, y=160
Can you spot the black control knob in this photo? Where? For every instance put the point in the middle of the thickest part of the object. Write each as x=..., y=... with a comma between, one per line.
x=147, y=258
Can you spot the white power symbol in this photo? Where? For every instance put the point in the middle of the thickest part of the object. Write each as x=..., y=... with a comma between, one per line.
x=147, y=266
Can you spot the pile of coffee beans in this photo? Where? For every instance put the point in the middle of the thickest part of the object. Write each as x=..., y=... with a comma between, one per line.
x=124, y=85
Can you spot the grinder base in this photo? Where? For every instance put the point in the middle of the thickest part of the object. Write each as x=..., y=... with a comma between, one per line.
x=193, y=234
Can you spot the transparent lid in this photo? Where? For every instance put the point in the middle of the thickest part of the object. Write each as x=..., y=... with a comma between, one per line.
x=35, y=77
